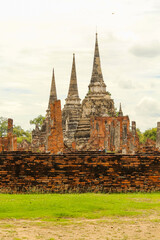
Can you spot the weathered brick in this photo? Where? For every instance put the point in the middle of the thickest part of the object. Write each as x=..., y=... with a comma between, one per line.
x=22, y=171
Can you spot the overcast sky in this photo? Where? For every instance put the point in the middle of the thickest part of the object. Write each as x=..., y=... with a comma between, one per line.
x=37, y=35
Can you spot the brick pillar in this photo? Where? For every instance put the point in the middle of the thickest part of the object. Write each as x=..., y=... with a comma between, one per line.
x=117, y=136
x=125, y=135
x=55, y=139
x=134, y=140
x=48, y=128
x=14, y=143
x=10, y=126
x=10, y=134
x=12, y=139
x=134, y=128
x=1, y=146
x=158, y=136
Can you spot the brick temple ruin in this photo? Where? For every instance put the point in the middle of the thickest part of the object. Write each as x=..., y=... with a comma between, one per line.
x=88, y=146
x=93, y=124
x=90, y=125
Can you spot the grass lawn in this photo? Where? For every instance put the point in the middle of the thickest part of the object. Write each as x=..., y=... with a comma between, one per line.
x=91, y=206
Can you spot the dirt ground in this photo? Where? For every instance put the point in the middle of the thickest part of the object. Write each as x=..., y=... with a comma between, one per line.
x=105, y=229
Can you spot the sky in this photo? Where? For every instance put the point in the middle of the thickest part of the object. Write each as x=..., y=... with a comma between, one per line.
x=39, y=35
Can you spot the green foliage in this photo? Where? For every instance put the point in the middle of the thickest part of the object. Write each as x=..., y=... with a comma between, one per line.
x=116, y=112
x=88, y=205
x=140, y=135
x=150, y=133
x=3, y=126
x=38, y=120
x=21, y=134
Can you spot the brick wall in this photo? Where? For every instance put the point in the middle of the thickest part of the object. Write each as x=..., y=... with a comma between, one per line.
x=82, y=172
x=113, y=134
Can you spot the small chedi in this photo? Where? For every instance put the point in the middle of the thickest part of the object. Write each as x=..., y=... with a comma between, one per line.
x=72, y=109
x=91, y=125
x=50, y=137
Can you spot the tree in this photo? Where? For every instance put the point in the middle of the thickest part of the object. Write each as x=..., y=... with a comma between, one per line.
x=22, y=134
x=140, y=135
x=149, y=133
x=38, y=120
x=3, y=126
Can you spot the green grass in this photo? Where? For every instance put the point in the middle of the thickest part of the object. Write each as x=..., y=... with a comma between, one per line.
x=59, y=207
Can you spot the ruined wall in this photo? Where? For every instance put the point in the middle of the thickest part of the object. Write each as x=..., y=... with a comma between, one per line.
x=113, y=134
x=148, y=147
x=82, y=172
x=39, y=138
x=24, y=146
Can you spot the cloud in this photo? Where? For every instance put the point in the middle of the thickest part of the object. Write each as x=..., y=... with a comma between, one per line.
x=146, y=112
x=10, y=107
x=126, y=84
x=157, y=76
x=16, y=91
x=31, y=51
x=149, y=50
x=123, y=81
x=148, y=107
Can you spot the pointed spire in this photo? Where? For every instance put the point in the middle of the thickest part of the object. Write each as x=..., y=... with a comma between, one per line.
x=53, y=93
x=120, y=113
x=96, y=72
x=73, y=88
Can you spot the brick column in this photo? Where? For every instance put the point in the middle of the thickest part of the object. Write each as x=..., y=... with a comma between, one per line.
x=10, y=126
x=10, y=134
x=134, y=128
x=55, y=139
x=158, y=136
x=12, y=139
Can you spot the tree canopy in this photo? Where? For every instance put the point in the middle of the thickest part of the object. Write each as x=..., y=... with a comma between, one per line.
x=3, y=126
x=149, y=133
x=37, y=121
x=22, y=134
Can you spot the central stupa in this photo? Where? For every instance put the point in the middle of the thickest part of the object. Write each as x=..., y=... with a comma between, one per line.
x=97, y=102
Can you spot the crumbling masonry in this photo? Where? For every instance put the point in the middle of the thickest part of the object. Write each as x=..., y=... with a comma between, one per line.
x=79, y=131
